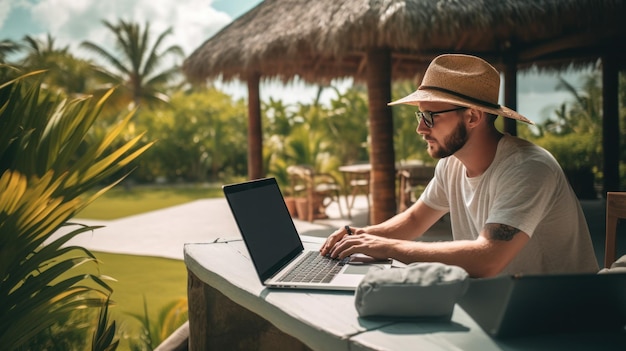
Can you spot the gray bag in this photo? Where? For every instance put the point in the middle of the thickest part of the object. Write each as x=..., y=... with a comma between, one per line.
x=420, y=290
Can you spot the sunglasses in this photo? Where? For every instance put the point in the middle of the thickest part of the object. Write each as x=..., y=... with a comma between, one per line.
x=428, y=117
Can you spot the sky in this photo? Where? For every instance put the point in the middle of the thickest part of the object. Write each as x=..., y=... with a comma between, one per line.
x=71, y=22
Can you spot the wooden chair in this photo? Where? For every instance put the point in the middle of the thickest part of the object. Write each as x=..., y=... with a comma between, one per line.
x=356, y=179
x=409, y=181
x=318, y=190
x=615, y=209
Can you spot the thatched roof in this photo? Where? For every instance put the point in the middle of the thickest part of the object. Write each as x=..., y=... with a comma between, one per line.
x=325, y=39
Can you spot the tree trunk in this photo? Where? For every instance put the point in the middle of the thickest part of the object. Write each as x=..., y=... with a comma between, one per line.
x=382, y=156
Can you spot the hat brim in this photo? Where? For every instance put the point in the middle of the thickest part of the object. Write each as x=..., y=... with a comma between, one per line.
x=440, y=96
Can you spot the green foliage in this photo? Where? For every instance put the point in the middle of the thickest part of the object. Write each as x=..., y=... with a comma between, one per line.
x=154, y=332
x=202, y=136
x=408, y=145
x=47, y=162
x=349, y=125
x=67, y=333
x=574, y=151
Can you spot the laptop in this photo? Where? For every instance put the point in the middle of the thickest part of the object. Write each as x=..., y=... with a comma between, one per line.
x=520, y=305
x=274, y=245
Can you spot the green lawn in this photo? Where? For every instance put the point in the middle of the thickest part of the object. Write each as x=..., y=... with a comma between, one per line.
x=122, y=202
x=160, y=280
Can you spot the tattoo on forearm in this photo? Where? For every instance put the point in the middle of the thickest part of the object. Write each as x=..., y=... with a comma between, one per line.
x=501, y=231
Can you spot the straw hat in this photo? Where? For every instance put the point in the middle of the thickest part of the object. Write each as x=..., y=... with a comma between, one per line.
x=462, y=80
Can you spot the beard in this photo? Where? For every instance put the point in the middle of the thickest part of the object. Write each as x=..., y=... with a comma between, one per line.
x=451, y=143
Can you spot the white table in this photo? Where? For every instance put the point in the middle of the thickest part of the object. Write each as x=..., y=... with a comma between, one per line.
x=230, y=309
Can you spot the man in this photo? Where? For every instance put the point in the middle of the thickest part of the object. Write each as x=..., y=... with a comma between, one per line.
x=511, y=208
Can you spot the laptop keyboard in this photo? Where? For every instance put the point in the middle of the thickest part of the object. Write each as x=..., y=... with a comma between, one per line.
x=314, y=268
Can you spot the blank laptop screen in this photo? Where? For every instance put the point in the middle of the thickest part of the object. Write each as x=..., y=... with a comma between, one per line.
x=264, y=222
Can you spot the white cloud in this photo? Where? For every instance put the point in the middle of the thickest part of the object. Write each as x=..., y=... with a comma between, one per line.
x=71, y=22
x=5, y=8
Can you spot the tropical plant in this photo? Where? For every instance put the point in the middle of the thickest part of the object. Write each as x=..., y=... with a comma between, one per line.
x=137, y=67
x=154, y=332
x=48, y=160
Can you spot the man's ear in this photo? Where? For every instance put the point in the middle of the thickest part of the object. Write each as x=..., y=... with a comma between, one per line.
x=474, y=117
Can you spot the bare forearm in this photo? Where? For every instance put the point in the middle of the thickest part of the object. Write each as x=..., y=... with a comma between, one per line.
x=482, y=257
x=407, y=225
x=471, y=255
x=401, y=226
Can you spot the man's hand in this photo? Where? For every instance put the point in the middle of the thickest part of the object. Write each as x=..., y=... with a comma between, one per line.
x=333, y=239
x=367, y=244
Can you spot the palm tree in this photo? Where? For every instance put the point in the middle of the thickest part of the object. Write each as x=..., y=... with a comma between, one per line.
x=136, y=68
x=67, y=73
x=40, y=52
x=7, y=47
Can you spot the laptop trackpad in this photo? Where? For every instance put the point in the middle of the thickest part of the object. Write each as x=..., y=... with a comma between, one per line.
x=361, y=264
x=361, y=269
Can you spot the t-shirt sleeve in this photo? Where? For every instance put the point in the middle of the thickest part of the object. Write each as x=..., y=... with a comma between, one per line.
x=435, y=193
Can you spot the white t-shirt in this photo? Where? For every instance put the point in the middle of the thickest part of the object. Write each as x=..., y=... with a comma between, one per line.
x=524, y=187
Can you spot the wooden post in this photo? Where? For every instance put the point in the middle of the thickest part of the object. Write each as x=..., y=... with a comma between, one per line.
x=255, y=132
x=382, y=155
